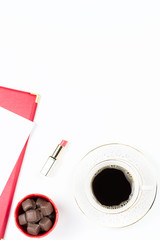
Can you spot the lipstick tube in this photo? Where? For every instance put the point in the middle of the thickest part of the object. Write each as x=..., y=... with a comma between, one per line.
x=51, y=160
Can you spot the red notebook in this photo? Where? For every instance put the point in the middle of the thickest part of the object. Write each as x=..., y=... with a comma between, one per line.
x=23, y=104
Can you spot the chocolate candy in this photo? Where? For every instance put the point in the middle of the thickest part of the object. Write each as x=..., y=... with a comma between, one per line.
x=33, y=229
x=45, y=224
x=33, y=216
x=28, y=204
x=22, y=219
x=46, y=208
x=36, y=216
x=40, y=201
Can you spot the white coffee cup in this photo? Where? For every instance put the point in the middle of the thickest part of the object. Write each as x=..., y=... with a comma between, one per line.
x=142, y=179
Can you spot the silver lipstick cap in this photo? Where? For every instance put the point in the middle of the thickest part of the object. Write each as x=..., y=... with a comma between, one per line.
x=48, y=166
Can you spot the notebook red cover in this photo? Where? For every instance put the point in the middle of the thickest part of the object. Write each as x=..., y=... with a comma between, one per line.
x=23, y=104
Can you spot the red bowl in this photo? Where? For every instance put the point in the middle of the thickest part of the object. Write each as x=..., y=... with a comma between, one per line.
x=19, y=208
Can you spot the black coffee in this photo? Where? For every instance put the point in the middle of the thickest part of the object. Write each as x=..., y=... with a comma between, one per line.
x=111, y=187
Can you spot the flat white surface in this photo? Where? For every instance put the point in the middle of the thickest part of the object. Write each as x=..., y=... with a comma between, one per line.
x=14, y=132
x=96, y=66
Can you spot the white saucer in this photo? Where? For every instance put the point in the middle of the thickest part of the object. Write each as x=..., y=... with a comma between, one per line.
x=145, y=185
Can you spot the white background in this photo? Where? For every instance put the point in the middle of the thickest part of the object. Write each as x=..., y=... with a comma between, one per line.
x=95, y=65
